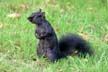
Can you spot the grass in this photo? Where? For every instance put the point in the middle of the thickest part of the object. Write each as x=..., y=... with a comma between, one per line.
x=88, y=18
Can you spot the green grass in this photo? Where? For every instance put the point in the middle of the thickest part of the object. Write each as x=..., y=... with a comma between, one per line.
x=88, y=18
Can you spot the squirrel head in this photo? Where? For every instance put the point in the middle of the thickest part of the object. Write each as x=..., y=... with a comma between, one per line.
x=37, y=17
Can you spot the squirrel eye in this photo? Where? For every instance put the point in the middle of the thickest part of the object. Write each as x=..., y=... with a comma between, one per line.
x=39, y=16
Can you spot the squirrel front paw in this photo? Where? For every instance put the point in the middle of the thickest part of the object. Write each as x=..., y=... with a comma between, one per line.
x=41, y=36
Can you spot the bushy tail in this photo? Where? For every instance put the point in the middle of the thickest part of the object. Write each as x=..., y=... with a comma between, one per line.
x=71, y=44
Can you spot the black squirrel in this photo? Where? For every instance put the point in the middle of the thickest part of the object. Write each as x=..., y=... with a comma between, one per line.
x=49, y=46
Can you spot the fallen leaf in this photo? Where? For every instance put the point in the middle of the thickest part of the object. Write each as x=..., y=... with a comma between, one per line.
x=17, y=45
x=14, y=15
x=85, y=60
x=10, y=7
x=60, y=70
x=57, y=29
x=105, y=38
x=1, y=25
x=39, y=63
x=92, y=26
x=91, y=9
x=12, y=33
x=84, y=35
x=62, y=10
x=0, y=46
x=24, y=6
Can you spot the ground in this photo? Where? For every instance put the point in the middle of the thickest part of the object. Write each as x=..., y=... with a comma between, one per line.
x=88, y=18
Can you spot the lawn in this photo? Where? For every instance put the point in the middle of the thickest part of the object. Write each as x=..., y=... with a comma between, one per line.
x=88, y=18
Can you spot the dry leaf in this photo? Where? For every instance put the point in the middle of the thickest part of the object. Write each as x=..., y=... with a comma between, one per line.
x=57, y=29
x=17, y=45
x=1, y=25
x=0, y=46
x=24, y=6
x=39, y=63
x=85, y=60
x=92, y=26
x=105, y=38
x=10, y=7
x=84, y=35
x=62, y=10
x=91, y=9
x=14, y=15
x=61, y=70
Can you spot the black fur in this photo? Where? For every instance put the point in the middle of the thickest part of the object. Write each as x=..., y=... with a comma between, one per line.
x=48, y=44
x=71, y=44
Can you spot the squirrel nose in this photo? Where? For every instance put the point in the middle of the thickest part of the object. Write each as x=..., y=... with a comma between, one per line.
x=30, y=18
